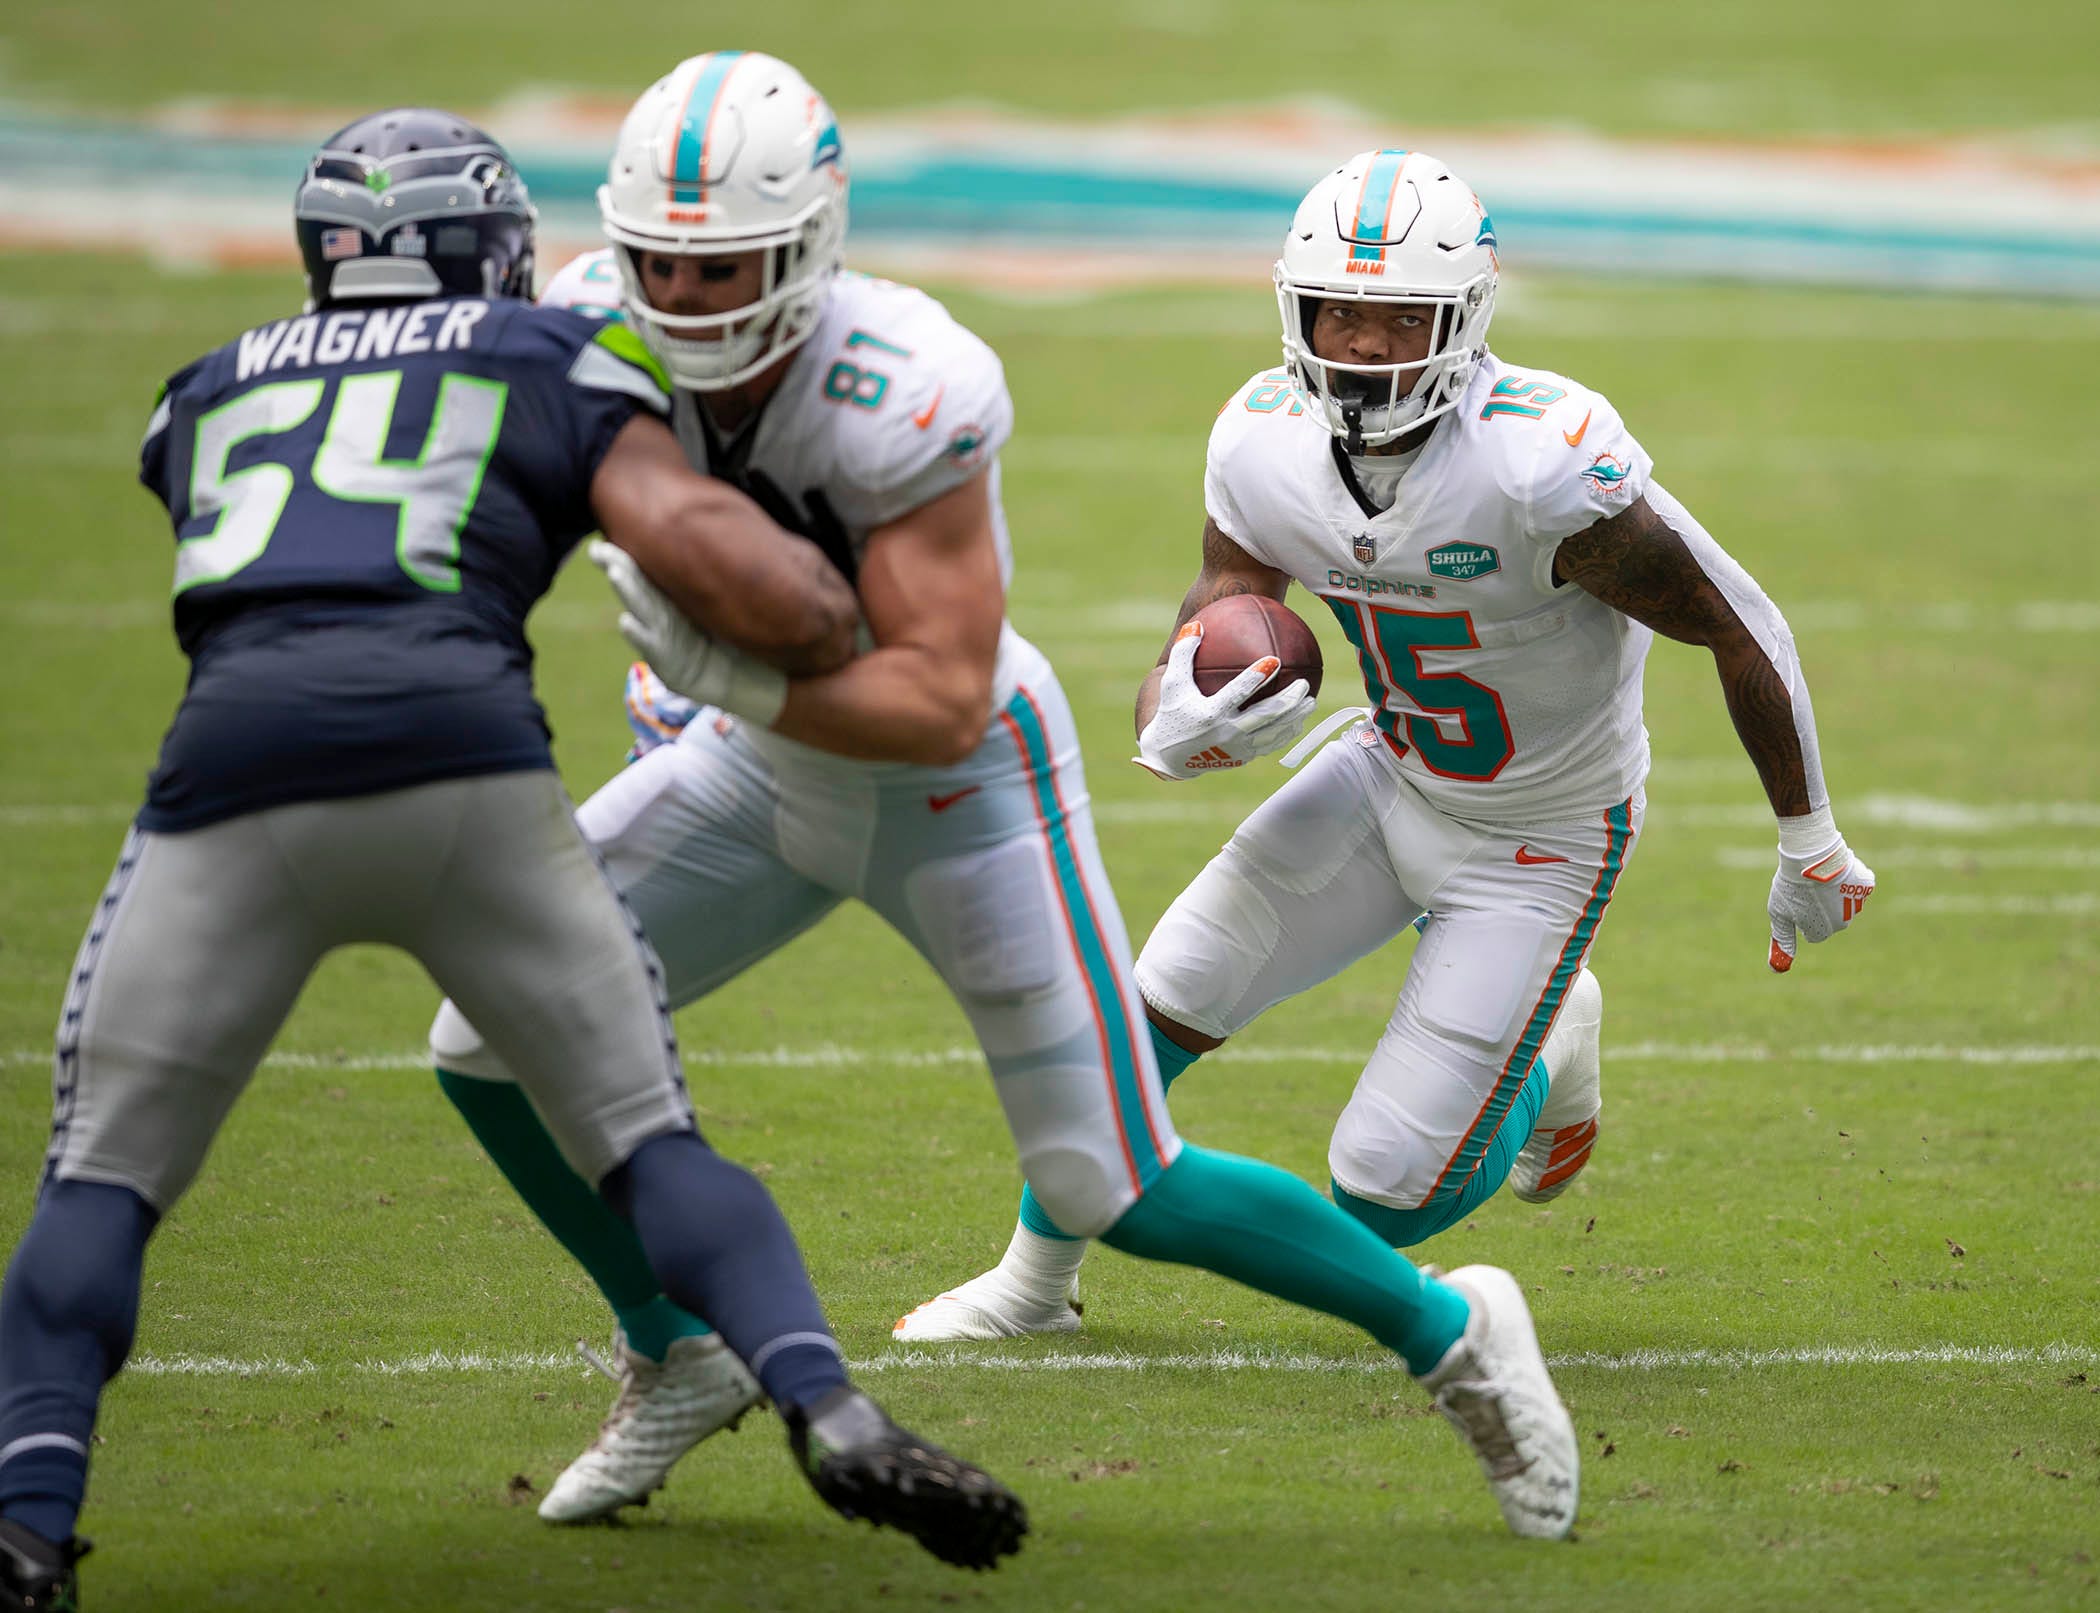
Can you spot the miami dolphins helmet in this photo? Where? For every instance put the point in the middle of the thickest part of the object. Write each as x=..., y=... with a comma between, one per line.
x=1394, y=227
x=728, y=152
x=412, y=203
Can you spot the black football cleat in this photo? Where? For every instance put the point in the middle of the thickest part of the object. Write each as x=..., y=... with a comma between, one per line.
x=36, y=1575
x=862, y=1465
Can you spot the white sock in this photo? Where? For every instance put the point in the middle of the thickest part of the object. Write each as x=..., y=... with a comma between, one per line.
x=1564, y=1106
x=1042, y=1268
x=1555, y=1052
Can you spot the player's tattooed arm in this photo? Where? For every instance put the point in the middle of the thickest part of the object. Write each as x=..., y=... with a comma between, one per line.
x=1227, y=570
x=1637, y=563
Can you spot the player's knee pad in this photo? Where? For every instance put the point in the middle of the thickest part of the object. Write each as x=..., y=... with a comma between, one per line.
x=1382, y=1152
x=1473, y=982
x=1076, y=1188
x=1403, y=1228
x=456, y=1046
x=986, y=920
x=1204, y=954
x=1406, y=1186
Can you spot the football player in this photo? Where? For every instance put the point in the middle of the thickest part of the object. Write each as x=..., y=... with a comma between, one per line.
x=367, y=499
x=1490, y=540
x=935, y=777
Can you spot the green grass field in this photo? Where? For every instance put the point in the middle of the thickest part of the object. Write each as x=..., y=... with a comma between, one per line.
x=1652, y=66
x=1921, y=500
x=1867, y=1192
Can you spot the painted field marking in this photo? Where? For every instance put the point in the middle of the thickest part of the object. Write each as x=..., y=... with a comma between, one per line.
x=1929, y=814
x=2077, y=904
x=1955, y=859
x=475, y=1363
x=1891, y=811
x=38, y=815
x=833, y=1056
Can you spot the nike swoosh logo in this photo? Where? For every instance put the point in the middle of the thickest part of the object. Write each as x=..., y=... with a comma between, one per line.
x=941, y=803
x=924, y=417
x=1574, y=438
x=1531, y=859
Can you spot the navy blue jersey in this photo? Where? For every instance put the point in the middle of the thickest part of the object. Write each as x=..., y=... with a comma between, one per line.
x=367, y=502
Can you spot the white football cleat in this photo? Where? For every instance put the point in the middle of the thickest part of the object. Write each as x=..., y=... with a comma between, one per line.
x=1560, y=1143
x=1492, y=1386
x=664, y=1409
x=990, y=1307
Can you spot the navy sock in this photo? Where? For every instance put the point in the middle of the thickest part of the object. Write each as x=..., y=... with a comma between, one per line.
x=67, y=1317
x=721, y=1249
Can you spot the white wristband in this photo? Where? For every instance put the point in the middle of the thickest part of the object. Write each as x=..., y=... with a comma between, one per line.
x=1809, y=836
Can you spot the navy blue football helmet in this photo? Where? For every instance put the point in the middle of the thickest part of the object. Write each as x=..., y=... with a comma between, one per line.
x=413, y=203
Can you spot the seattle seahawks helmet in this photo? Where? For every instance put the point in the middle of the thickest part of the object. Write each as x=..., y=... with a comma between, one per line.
x=729, y=152
x=413, y=203
x=1399, y=227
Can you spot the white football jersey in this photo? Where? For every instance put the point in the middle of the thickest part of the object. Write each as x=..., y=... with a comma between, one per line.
x=888, y=404
x=1507, y=699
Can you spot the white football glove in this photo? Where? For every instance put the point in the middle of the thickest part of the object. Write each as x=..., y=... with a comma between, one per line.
x=1820, y=887
x=1192, y=733
x=683, y=657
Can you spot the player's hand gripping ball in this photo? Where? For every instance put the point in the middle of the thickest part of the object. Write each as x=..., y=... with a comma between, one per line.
x=1240, y=630
x=1238, y=684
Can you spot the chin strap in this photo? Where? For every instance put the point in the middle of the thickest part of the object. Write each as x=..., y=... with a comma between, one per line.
x=1353, y=418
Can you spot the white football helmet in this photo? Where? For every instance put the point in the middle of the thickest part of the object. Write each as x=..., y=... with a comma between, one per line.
x=1388, y=226
x=728, y=152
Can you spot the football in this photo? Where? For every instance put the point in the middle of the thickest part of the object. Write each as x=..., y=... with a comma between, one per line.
x=1240, y=630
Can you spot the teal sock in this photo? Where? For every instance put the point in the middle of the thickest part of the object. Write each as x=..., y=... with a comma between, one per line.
x=1263, y=1227
x=1174, y=1061
x=1037, y=1220
x=505, y=1123
x=652, y=1327
x=1403, y=1229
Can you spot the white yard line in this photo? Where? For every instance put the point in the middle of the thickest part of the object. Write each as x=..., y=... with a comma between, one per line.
x=2077, y=904
x=512, y=1363
x=834, y=1056
x=1921, y=812
x=1953, y=859
x=1928, y=814
x=38, y=815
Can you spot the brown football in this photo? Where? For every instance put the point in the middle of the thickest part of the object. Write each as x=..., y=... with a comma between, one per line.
x=1242, y=628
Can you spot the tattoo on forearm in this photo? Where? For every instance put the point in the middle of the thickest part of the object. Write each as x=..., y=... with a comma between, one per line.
x=1763, y=712
x=1226, y=572
x=1637, y=563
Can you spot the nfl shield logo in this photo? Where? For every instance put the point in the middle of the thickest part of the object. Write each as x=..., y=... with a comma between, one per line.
x=1364, y=549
